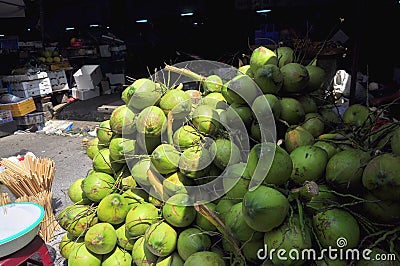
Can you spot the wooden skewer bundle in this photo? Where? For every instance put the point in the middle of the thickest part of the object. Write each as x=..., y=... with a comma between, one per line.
x=31, y=180
x=49, y=223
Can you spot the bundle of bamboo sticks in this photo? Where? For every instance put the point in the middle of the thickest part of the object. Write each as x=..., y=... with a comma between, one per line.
x=31, y=180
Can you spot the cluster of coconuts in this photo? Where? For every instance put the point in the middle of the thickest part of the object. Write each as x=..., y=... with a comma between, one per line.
x=122, y=214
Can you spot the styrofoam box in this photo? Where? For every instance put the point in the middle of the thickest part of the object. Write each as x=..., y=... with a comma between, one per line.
x=116, y=78
x=85, y=94
x=32, y=88
x=27, y=77
x=58, y=79
x=88, y=76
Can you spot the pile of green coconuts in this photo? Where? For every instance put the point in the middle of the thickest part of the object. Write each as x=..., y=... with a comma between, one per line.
x=213, y=175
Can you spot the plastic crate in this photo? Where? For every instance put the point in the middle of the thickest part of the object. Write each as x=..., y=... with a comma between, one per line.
x=20, y=108
x=31, y=119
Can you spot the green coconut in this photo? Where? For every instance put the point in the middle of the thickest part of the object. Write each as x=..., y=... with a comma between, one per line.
x=212, y=83
x=356, y=115
x=297, y=137
x=139, y=171
x=121, y=148
x=103, y=162
x=177, y=210
x=332, y=226
x=223, y=207
x=344, y=170
x=205, y=119
x=381, y=211
x=269, y=78
x=264, y=208
x=139, y=218
x=292, y=111
x=263, y=103
x=262, y=56
x=269, y=163
x=225, y=152
x=175, y=183
x=250, y=250
x=97, y=185
x=241, y=90
x=135, y=196
x=295, y=77
x=192, y=240
x=329, y=147
x=245, y=69
x=172, y=260
x=289, y=236
x=76, y=219
x=92, y=147
x=104, y=133
x=202, y=222
x=325, y=198
x=147, y=143
x=76, y=194
x=236, y=225
x=237, y=114
x=160, y=238
x=381, y=177
x=124, y=241
x=204, y=257
x=195, y=97
x=186, y=136
x=151, y=121
x=165, y=159
x=101, y=238
x=195, y=162
x=313, y=123
x=309, y=163
x=141, y=254
x=331, y=118
x=118, y=257
x=285, y=55
x=236, y=181
x=145, y=93
x=177, y=102
x=81, y=255
x=122, y=120
x=67, y=244
x=308, y=104
x=113, y=209
x=215, y=100
x=395, y=142
x=317, y=77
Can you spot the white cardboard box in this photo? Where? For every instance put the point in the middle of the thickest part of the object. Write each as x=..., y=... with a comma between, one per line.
x=32, y=88
x=85, y=94
x=88, y=77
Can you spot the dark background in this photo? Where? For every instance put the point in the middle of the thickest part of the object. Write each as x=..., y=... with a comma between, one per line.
x=224, y=28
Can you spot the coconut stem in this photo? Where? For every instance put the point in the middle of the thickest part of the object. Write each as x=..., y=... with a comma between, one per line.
x=157, y=185
x=212, y=218
x=185, y=72
x=169, y=128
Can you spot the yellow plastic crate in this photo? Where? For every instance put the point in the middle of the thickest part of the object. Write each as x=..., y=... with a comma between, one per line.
x=20, y=108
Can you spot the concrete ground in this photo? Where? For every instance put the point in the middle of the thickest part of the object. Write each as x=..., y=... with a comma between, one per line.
x=68, y=152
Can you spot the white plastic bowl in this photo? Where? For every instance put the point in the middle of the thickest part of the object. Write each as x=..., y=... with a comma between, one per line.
x=19, y=225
